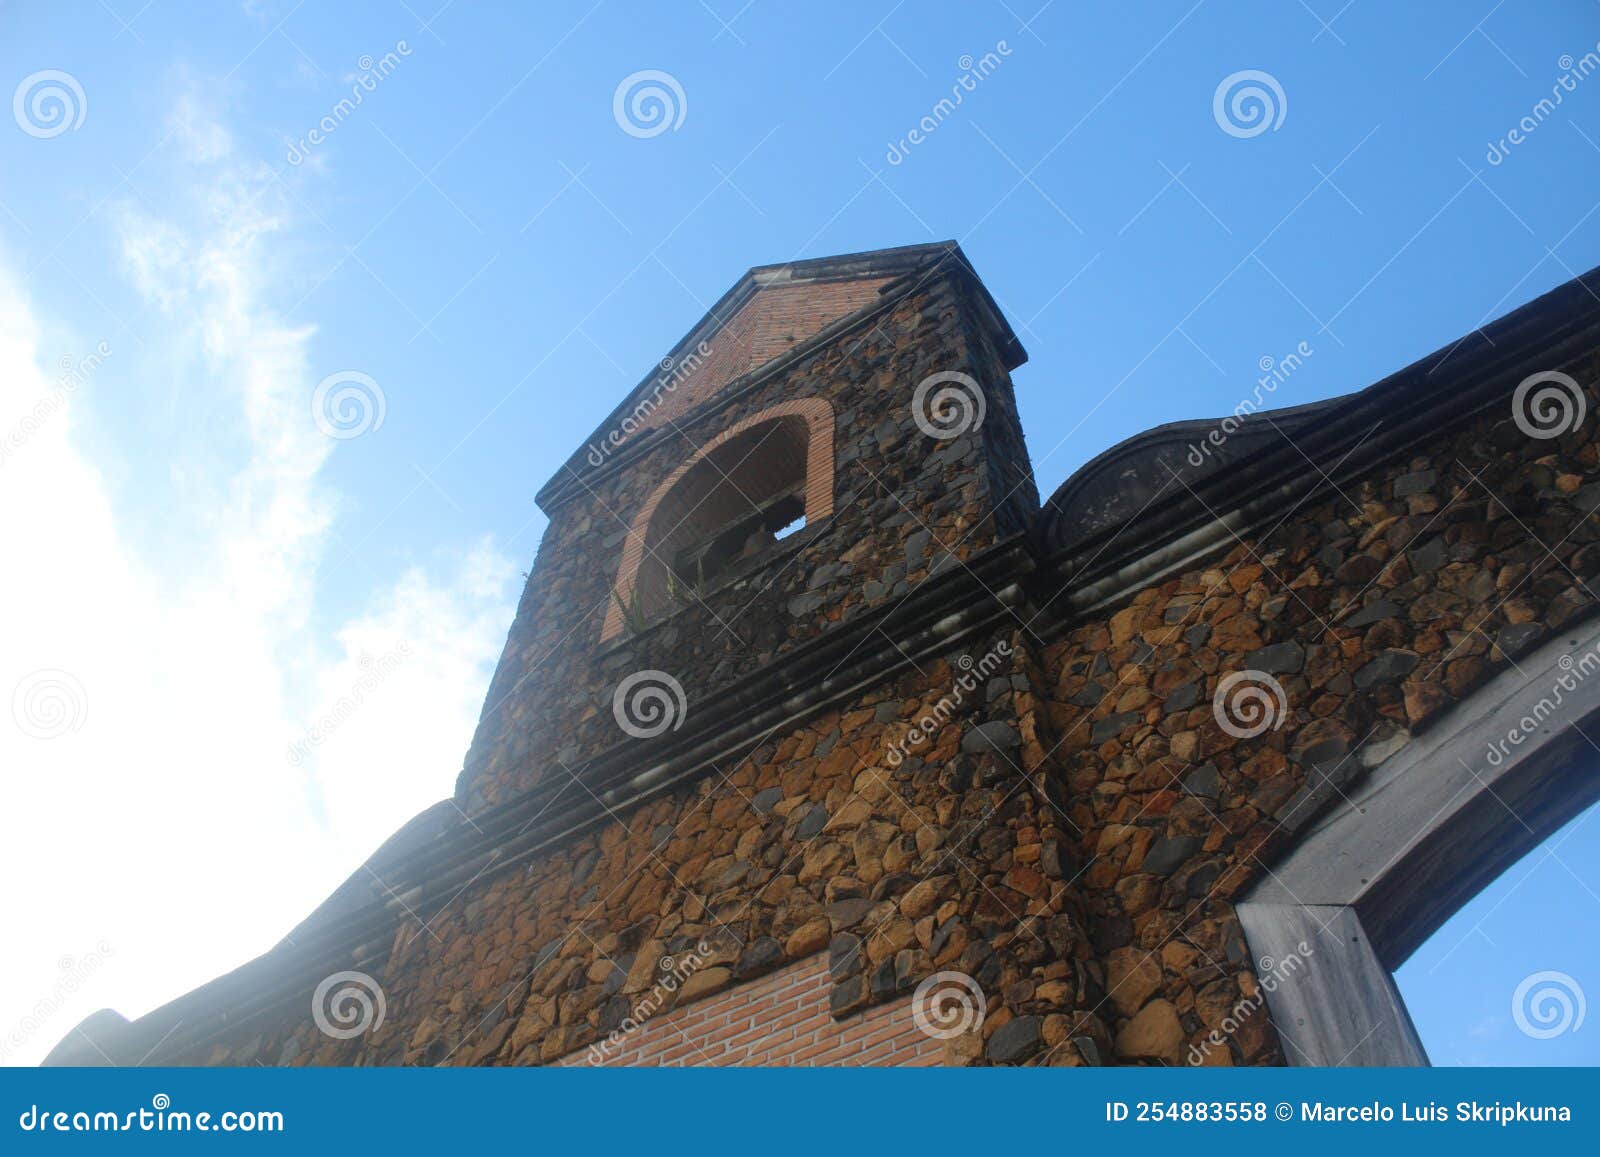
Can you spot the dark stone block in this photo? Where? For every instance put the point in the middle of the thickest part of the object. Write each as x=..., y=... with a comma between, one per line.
x=760, y=956
x=1278, y=659
x=1517, y=640
x=994, y=735
x=1168, y=854
x=1374, y=612
x=1112, y=726
x=816, y=818
x=1016, y=1040
x=1181, y=698
x=1389, y=667
x=1417, y=482
x=1204, y=781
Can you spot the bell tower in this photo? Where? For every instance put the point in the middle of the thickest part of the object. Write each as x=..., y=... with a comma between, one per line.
x=830, y=435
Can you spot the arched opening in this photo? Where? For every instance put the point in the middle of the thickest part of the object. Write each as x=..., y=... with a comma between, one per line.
x=1409, y=846
x=723, y=510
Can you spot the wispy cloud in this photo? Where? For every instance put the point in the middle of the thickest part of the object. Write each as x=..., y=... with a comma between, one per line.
x=176, y=583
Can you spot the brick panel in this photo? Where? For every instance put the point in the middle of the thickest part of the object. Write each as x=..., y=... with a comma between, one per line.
x=771, y=323
x=781, y=1019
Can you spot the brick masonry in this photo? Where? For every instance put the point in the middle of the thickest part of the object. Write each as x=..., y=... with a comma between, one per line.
x=780, y=1020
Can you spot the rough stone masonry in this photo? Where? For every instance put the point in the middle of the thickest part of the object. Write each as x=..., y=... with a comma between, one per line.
x=943, y=738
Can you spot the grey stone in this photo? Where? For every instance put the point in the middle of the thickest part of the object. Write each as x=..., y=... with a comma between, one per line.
x=994, y=735
x=1204, y=781
x=1112, y=726
x=1168, y=854
x=1182, y=698
x=886, y=712
x=766, y=800
x=917, y=548
x=1417, y=482
x=1432, y=555
x=762, y=954
x=1278, y=659
x=1197, y=636
x=815, y=820
x=1389, y=667
x=1016, y=1040
x=807, y=603
x=1374, y=612
x=1516, y=640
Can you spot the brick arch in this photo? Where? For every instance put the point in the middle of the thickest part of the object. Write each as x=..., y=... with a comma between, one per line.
x=816, y=415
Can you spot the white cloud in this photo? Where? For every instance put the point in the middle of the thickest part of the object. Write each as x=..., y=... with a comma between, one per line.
x=170, y=825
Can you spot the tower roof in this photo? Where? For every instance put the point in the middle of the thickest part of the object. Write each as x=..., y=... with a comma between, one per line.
x=772, y=313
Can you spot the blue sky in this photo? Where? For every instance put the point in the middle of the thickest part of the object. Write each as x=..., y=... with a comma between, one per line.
x=482, y=240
